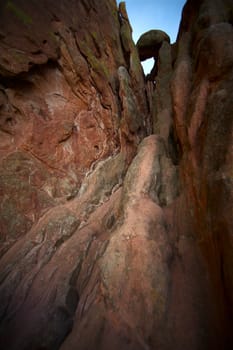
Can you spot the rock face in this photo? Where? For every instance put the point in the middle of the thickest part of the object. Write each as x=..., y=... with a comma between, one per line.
x=116, y=194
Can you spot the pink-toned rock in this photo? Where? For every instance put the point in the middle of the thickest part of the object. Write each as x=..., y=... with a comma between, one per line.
x=62, y=111
x=202, y=95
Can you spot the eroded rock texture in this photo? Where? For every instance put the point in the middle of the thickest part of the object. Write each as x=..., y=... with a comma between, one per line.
x=116, y=193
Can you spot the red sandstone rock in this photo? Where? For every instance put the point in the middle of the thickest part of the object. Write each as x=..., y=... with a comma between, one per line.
x=115, y=223
x=202, y=95
x=63, y=111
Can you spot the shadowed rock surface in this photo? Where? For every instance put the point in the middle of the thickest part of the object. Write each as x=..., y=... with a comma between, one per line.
x=148, y=46
x=149, y=43
x=116, y=194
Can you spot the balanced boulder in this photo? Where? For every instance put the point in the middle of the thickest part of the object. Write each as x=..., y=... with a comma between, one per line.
x=150, y=42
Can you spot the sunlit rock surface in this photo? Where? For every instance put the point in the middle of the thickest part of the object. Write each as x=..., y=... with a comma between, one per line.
x=116, y=192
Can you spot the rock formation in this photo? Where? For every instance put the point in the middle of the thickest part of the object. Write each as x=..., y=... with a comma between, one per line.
x=148, y=46
x=116, y=194
x=149, y=43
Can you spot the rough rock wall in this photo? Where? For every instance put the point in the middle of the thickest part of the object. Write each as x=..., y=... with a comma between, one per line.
x=64, y=104
x=202, y=105
x=115, y=220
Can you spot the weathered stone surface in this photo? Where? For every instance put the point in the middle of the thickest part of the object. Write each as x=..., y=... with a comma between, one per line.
x=64, y=110
x=162, y=104
x=133, y=62
x=202, y=95
x=149, y=43
x=115, y=222
x=24, y=196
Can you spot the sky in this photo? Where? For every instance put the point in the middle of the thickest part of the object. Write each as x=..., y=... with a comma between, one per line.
x=145, y=15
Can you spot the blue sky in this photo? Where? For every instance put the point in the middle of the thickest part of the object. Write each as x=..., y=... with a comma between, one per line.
x=154, y=14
